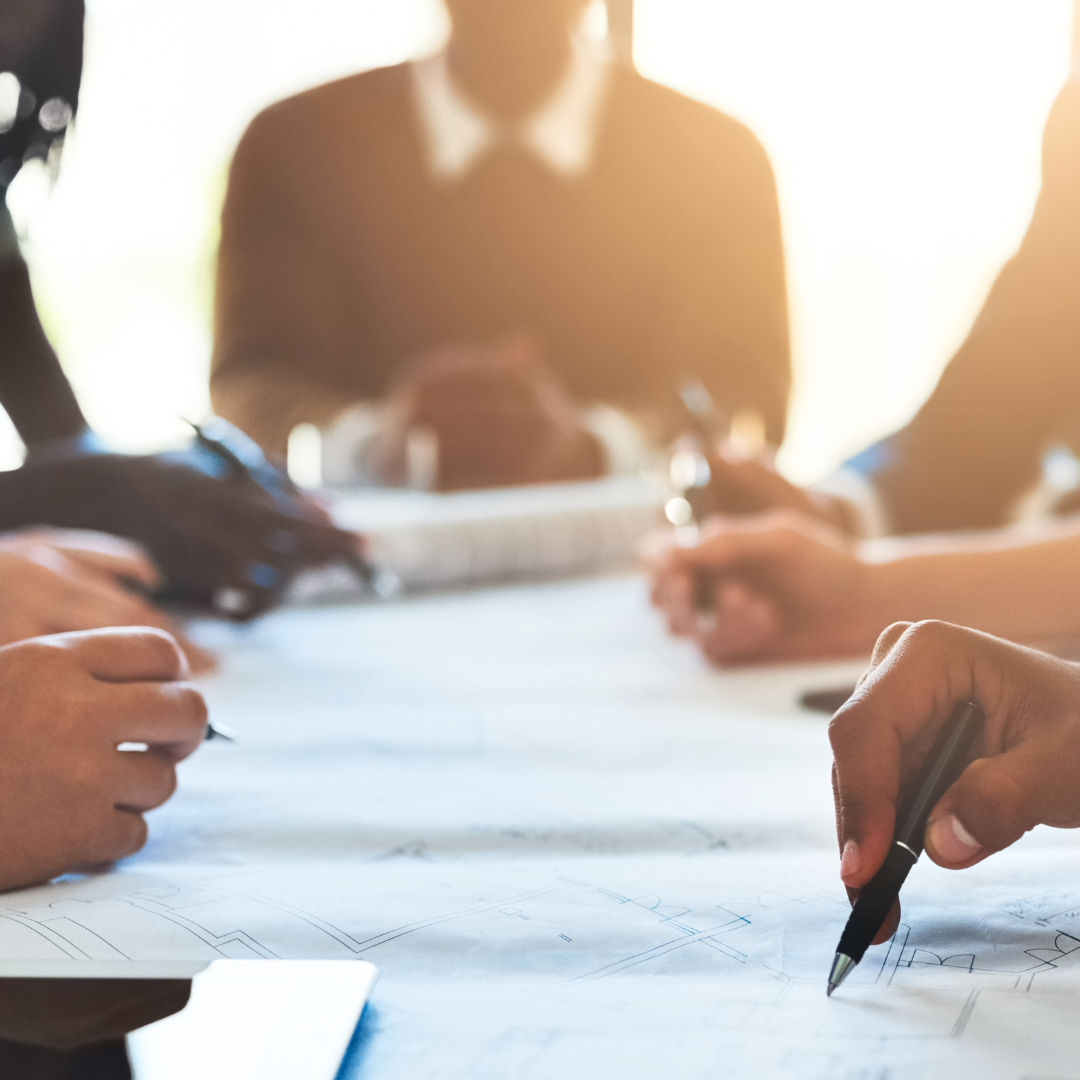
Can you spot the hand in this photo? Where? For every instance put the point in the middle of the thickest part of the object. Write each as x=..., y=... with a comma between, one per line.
x=1027, y=760
x=751, y=485
x=58, y=580
x=775, y=586
x=204, y=534
x=68, y=796
x=498, y=414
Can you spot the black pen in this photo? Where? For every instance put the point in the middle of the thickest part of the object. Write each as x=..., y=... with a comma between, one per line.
x=947, y=759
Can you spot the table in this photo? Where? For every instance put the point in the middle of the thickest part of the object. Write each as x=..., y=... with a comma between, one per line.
x=574, y=852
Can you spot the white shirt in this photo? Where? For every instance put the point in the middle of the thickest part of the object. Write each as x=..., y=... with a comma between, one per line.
x=561, y=133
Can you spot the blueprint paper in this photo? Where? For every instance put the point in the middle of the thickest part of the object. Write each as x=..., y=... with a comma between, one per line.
x=573, y=852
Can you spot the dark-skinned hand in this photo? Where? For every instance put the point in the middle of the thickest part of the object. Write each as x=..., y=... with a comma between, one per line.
x=1026, y=762
x=205, y=533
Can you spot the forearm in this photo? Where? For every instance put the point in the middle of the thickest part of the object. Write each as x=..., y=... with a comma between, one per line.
x=1004, y=583
x=33, y=388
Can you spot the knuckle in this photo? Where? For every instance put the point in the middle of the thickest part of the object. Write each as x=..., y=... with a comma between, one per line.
x=846, y=727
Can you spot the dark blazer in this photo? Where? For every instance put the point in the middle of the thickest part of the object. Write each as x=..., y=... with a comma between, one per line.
x=341, y=257
x=1014, y=386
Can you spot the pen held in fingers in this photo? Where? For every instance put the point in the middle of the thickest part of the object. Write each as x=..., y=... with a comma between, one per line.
x=947, y=759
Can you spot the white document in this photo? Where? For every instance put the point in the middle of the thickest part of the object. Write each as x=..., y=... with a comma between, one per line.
x=573, y=852
x=543, y=530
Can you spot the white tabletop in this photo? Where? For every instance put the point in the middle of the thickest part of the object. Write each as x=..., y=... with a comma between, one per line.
x=574, y=852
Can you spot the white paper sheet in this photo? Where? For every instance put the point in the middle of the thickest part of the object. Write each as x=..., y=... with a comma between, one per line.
x=573, y=853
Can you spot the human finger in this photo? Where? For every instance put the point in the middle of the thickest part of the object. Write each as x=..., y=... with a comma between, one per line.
x=103, y=553
x=998, y=799
x=742, y=624
x=120, y=833
x=888, y=725
x=170, y=716
x=760, y=539
x=125, y=654
x=143, y=780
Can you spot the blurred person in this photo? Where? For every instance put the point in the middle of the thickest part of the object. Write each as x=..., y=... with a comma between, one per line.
x=776, y=586
x=1011, y=391
x=69, y=798
x=507, y=253
x=226, y=546
x=1026, y=761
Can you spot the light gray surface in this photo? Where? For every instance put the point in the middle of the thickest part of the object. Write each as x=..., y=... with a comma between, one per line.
x=573, y=852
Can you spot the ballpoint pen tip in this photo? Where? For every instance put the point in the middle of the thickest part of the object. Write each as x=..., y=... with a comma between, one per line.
x=841, y=968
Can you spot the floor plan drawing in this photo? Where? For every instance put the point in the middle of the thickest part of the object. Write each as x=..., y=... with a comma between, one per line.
x=573, y=854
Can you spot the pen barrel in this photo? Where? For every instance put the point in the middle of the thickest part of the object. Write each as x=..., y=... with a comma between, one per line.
x=947, y=759
x=874, y=903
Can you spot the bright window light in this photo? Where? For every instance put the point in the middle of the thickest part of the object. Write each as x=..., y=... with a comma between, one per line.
x=905, y=139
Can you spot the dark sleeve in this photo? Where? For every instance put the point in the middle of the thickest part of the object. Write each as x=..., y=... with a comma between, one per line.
x=33, y=388
x=1014, y=386
x=725, y=294
x=275, y=306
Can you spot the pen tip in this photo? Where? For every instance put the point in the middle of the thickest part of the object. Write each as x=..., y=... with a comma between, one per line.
x=841, y=968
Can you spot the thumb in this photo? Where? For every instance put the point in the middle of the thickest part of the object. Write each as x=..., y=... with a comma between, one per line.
x=995, y=801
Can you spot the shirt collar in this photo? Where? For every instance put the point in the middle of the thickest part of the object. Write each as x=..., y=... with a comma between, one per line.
x=561, y=133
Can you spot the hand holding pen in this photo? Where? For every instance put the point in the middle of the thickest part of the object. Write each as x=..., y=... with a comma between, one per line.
x=1023, y=765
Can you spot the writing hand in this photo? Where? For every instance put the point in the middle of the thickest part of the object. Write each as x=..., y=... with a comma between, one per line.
x=778, y=585
x=1025, y=774
x=68, y=796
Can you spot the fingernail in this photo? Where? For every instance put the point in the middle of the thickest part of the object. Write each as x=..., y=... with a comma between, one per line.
x=950, y=841
x=850, y=861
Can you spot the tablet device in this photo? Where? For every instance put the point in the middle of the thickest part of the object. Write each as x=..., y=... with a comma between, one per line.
x=215, y=1020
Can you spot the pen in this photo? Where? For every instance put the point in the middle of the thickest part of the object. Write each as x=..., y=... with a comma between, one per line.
x=946, y=761
x=219, y=731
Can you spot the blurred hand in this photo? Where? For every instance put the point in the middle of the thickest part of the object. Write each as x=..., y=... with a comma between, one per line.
x=1029, y=756
x=775, y=586
x=58, y=580
x=497, y=413
x=204, y=534
x=751, y=485
x=68, y=797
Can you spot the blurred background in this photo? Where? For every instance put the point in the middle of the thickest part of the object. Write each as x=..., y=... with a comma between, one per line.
x=905, y=140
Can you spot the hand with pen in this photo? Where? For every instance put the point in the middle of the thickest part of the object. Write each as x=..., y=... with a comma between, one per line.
x=226, y=538
x=773, y=586
x=69, y=797
x=1026, y=762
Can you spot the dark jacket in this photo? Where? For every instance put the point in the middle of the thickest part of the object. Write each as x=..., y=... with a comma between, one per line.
x=341, y=257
